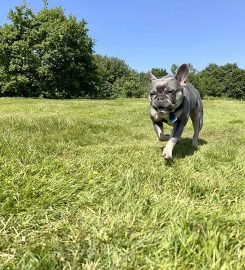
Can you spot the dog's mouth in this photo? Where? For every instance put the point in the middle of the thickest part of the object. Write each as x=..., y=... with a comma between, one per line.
x=163, y=110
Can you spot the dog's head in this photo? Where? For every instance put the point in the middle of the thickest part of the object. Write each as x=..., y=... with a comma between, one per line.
x=166, y=94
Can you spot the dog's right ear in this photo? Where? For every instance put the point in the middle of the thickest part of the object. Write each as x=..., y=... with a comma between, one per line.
x=182, y=74
x=151, y=77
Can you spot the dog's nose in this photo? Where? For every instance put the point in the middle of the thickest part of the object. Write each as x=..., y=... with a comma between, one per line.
x=160, y=98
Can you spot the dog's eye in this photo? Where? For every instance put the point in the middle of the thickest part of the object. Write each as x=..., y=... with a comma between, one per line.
x=153, y=93
x=170, y=91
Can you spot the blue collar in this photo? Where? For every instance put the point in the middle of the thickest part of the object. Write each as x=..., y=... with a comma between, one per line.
x=172, y=117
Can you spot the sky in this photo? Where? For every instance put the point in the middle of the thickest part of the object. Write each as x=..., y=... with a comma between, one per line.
x=158, y=33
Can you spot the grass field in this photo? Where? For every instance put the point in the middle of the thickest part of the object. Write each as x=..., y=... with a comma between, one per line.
x=84, y=186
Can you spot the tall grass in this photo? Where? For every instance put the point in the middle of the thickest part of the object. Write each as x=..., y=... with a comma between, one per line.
x=83, y=186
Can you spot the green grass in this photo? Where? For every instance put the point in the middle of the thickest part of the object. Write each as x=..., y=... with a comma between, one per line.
x=84, y=186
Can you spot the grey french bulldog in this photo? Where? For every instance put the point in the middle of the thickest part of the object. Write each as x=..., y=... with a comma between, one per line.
x=173, y=100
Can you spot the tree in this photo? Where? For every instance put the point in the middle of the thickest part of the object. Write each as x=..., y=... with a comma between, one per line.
x=159, y=72
x=134, y=85
x=234, y=82
x=174, y=69
x=218, y=81
x=66, y=54
x=46, y=54
x=18, y=63
x=192, y=70
x=117, y=79
x=110, y=70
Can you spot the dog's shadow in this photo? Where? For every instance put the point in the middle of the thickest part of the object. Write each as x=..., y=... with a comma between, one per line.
x=184, y=148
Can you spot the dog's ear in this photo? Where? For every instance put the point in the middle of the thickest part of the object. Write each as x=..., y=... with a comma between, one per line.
x=182, y=74
x=151, y=77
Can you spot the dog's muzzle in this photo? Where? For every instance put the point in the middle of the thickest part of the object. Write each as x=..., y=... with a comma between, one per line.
x=164, y=105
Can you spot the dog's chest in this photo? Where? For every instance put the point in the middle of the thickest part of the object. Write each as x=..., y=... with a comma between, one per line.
x=160, y=117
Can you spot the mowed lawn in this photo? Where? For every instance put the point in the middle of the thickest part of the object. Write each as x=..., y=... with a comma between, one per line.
x=84, y=186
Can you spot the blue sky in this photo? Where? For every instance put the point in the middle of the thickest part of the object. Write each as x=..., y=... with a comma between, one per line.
x=159, y=33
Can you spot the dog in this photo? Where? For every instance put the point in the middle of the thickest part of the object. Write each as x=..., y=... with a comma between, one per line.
x=172, y=101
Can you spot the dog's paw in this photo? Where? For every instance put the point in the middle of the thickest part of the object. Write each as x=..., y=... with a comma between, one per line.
x=166, y=156
x=195, y=143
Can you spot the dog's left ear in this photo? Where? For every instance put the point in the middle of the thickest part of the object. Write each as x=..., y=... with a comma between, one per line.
x=151, y=77
x=182, y=74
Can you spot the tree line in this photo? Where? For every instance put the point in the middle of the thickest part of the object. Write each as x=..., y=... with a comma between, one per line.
x=51, y=55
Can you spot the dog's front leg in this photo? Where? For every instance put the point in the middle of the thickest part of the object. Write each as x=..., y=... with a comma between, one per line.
x=158, y=127
x=174, y=138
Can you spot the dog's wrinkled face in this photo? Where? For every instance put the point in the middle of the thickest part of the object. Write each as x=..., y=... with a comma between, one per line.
x=166, y=94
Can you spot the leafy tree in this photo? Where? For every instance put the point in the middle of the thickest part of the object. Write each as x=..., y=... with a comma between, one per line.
x=234, y=82
x=116, y=79
x=227, y=80
x=159, y=72
x=192, y=70
x=65, y=50
x=46, y=54
x=110, y=70
x=18, y=63
x=174, y=69
x=134, y=85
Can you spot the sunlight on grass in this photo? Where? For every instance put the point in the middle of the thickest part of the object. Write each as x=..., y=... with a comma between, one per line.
x=83, y=186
